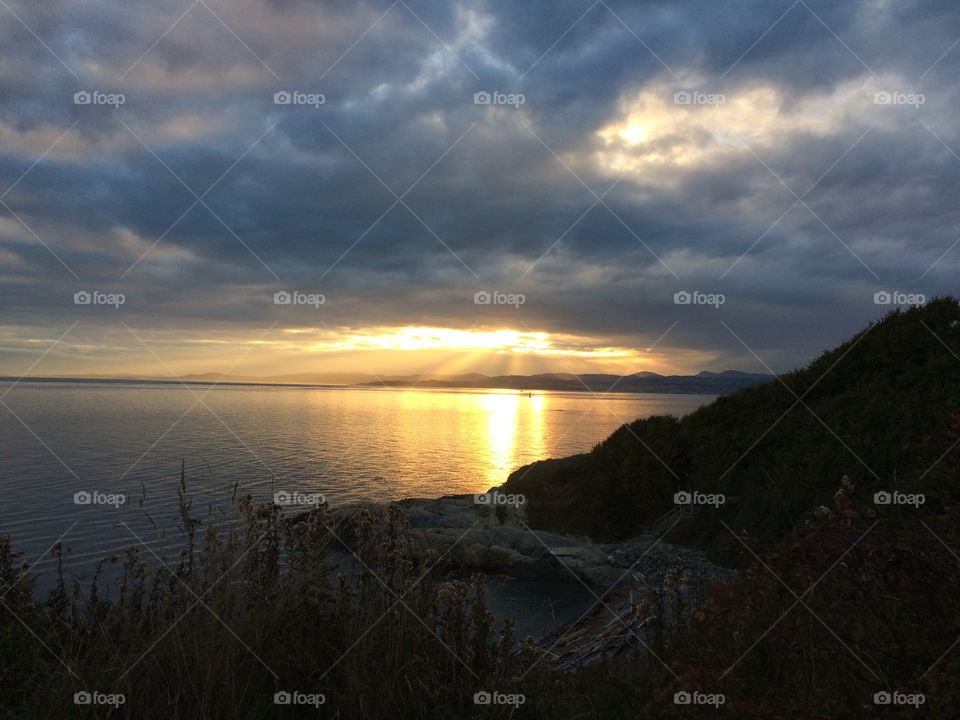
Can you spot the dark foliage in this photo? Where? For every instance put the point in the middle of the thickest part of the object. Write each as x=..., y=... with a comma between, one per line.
x=881, y=408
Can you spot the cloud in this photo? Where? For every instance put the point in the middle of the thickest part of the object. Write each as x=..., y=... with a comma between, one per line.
x=598, y=197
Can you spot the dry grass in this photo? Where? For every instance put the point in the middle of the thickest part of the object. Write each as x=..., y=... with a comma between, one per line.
x=244, y=612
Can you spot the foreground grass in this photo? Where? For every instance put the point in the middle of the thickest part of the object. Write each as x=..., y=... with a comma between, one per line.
x=243, y=614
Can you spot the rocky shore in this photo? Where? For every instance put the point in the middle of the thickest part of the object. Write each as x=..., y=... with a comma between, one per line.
x=557, y=588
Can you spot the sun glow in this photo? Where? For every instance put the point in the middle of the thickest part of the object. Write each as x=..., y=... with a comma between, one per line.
x=322, y=352
x=654, y=135
x=454, y=340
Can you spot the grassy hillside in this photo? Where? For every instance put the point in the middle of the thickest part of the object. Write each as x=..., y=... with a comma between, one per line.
x=882, y=408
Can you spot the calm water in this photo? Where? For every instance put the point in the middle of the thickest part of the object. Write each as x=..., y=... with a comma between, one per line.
x=346, y=444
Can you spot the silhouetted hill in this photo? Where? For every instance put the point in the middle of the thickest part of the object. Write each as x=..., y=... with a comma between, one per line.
x=882, y=408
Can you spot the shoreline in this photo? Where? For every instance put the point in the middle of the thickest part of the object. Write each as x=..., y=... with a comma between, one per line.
x=559, y=588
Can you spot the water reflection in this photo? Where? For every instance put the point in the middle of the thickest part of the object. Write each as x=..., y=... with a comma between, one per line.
x=501, y=418
x=348, y=444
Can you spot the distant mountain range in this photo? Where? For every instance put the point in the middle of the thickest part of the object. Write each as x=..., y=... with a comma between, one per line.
x=708, y=383
x=647, y=382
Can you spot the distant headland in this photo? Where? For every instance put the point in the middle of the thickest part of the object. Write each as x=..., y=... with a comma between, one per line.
x=705, y=383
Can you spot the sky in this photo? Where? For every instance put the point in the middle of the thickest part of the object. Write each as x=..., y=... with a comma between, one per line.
x=260, y=187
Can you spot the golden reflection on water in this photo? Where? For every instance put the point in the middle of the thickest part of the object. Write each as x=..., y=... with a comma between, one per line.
x=429, y=442
x=350, y=444
x=491, y=432
x=504, y=414
x=500, y=418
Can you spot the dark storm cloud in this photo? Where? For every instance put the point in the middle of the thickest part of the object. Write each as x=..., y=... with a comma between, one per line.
x=499, y=196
